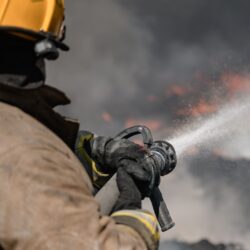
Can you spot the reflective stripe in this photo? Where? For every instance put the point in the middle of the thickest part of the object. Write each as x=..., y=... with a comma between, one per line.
x=145, y=218
x=98, y=177
x=94, y=168
x=84, y=154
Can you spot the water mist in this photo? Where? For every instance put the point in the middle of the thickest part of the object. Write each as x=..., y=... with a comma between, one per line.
x=227, y=122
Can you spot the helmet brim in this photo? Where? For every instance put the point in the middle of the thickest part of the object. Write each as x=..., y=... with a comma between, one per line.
x=37, y=36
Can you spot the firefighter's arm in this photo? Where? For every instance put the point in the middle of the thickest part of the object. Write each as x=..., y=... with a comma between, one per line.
x=51, y=205
x=83, y=152
x=102, y=156
x=127, y=211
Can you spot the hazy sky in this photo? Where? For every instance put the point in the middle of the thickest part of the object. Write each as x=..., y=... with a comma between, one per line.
x=167, y=64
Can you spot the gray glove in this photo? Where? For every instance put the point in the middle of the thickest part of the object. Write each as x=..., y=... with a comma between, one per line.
x=112, y=154
x=130, y=196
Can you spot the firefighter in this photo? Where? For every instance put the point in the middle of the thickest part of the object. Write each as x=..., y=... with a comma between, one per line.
x=46, y=193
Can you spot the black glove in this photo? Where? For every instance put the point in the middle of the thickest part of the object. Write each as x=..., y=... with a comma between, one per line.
x=130, y=197
x=127, y=211
x=113, y=154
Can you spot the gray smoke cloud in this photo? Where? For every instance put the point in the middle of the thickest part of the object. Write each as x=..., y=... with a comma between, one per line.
x=126, y=59
x=101, y=73
x=201, y=245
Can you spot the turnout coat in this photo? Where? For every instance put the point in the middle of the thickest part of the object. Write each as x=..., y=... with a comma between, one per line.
x=46, y=200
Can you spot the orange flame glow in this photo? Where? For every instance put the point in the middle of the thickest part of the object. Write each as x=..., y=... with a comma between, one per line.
x=177, y=90
x=107, y=117
x=202, y=108
x=152, y=98
x=154, y=125
x=236, y=83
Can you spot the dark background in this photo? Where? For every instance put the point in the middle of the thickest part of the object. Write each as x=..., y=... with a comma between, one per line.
x=167, y=64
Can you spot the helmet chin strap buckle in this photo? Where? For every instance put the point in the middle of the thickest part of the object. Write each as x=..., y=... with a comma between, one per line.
x=47, y=49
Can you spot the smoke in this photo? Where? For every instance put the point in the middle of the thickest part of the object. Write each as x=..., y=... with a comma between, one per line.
x=201, y=245
x=209, y=198
x=160, y=62
x=123, y=56
x=110, y=53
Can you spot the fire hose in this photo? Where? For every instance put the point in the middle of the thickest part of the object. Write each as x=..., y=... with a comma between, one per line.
x=164, y=157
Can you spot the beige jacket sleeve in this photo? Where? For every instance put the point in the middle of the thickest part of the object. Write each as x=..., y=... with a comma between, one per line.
x=45, y=194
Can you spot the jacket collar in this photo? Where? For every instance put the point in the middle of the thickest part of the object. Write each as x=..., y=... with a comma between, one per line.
x=39, y=103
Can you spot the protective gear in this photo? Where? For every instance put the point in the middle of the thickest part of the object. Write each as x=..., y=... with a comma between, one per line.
x=112, y=154
x=130, y=197
x=102, y=156
x=126, y=210
x=20, y=67
x=51, y=205
x=39, y=103
x=41, y=22
x=143, y=222
x=83, y=152
x=33, y=19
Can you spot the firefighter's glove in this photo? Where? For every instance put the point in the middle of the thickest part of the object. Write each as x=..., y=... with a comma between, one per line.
x=102, y=156
x=127, y=211
x=130, y=197
x=112, y=154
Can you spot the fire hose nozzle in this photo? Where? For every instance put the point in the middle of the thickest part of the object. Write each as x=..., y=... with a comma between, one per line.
x=164, y=157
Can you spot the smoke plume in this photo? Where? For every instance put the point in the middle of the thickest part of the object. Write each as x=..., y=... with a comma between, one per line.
x=168, y=64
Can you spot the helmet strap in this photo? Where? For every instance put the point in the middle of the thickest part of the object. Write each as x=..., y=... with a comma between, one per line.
x=46, y=49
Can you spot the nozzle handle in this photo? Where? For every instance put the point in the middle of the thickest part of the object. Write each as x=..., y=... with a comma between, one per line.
x=137, y=130
x=109, y=194
x=161, y=210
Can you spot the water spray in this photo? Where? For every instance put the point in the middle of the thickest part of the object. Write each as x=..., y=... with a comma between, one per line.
x=218, y=126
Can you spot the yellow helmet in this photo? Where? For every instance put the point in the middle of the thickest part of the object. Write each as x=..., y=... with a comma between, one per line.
x=34, y=19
